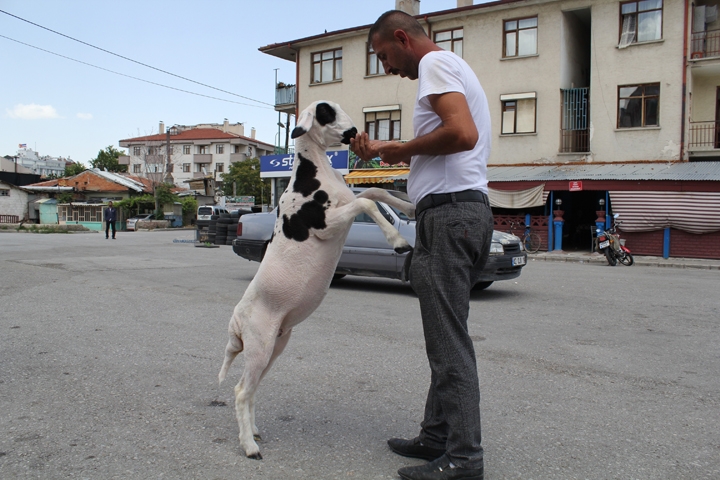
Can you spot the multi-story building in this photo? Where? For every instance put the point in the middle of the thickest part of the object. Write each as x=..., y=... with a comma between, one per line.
x=41, y=165
x=196, y=152
x=597, y=107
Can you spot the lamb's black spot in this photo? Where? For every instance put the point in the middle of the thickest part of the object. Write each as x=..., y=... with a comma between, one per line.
x=305, y=181
x=321, y=196
x=297, y=226
x=325, y=114
x=277, y=213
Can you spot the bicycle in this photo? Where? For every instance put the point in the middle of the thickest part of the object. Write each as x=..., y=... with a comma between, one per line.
x=530, y=240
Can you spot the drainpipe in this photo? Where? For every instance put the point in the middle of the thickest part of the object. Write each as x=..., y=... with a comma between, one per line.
x=684, y=81
x=297, y=79
x=429, y=32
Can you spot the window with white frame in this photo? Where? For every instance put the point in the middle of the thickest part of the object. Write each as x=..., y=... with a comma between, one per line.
x=219, y=167
x=152, y=150
x=137, y=151
x=219, y=148
x=451, y=40
x=203, y=149
x=382, y=123
x=186, y=149
x=518, y=113
x=520, y=37
x=374, y=65
x=137, y=168
x=186, y=168
x=327, y=66
x=640, y=21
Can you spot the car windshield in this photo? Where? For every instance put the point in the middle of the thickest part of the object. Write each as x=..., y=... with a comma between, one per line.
x=204, y=211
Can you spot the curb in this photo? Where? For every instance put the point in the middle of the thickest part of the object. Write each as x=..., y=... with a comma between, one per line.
x=694, y=263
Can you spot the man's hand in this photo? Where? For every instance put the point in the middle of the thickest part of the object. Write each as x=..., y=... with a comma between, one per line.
x=365, y=148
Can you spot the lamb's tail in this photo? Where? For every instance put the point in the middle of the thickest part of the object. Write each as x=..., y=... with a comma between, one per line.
x=233, y=347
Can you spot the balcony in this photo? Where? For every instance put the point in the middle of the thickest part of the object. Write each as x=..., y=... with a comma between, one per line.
x=705, y=44
x=154, y=159
x=124, y=160
x=704, y=137
x=237, y=157
x=285, y=98
x=202, y=158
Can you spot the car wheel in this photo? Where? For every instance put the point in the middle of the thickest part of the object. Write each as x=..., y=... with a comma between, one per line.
x=481, y=286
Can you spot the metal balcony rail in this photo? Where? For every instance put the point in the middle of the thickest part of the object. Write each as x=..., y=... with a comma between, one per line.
x=704, y=134
x=574, y=141
x=285, y=94
x=705, y=44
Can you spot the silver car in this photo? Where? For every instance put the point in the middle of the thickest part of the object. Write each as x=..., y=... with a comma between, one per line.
x=367, y=253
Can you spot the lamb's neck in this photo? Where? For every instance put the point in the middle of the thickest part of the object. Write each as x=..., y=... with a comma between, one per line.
x=313, y=151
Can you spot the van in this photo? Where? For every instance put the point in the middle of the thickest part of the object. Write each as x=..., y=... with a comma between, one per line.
x=205, y=213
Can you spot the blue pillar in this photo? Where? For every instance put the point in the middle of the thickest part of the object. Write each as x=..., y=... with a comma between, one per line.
x=666, y=243
x=607, y=211
x=558, y=234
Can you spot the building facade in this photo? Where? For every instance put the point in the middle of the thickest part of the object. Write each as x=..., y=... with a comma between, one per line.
x=44, y=165
x=572, y=85
x=203, y=151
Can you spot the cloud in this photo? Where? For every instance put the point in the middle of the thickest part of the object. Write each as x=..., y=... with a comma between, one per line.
x=85, y=116
x=32, y=112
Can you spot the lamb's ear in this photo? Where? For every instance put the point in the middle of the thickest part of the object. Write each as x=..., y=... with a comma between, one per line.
x=304, y=123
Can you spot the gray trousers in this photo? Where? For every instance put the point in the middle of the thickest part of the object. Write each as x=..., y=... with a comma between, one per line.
x=451, y=248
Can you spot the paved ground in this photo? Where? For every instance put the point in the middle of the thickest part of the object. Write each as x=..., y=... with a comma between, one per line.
x=109, y=353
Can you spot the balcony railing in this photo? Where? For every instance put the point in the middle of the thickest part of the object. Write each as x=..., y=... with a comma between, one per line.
x=574, y=141
x=202, y=158
x=284, y=95
x=704, y=135
x=705, y=44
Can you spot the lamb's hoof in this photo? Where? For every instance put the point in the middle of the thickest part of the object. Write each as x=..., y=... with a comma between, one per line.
x=255, y=456
x=403, y=249
x=256, y=436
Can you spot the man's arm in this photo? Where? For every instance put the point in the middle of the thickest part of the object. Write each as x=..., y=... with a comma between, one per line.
x=457, y=133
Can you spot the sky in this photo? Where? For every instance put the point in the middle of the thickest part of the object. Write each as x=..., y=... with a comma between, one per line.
x=63, y=108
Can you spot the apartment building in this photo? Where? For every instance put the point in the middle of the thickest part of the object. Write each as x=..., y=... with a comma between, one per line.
x=598, y=107
x=195, y=152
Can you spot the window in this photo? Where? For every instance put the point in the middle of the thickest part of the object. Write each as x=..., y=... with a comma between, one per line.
x=219, y=167
x=236, y=149
x=520, y=37
x=199, y=168
x=4, y=192
x=640, y=21
x=518, y=113
x=327, y=66
x=186, y=149
x=451, y=40
x=374, y=65
x=136, y=151
x=154, y=168
x=219, y=148
x=639, y=105
x=382, y=125
x=137, y=168
x=186, y=168
x=203, y=149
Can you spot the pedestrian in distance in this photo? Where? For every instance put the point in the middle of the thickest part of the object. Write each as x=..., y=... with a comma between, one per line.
x=448, y=185
x=110, y=219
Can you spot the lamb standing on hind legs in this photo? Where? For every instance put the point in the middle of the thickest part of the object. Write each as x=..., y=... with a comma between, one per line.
x=314, y=217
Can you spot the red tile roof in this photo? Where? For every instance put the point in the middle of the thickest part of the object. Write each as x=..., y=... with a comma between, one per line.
x=194, y=134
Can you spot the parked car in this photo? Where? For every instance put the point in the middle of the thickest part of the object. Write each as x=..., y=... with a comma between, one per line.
x=367, y=253
x=205, y=213
x=132, y=222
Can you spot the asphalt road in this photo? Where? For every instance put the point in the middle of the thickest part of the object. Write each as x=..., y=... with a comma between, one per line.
x=109, y=354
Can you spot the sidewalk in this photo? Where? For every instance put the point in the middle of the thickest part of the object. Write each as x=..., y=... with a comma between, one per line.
x=645, y=261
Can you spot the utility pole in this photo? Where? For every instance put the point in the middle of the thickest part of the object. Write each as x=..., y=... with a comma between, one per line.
x=279, y=122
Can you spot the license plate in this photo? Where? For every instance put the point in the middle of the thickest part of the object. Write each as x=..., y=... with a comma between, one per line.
x=604, y=244
x=516, y=261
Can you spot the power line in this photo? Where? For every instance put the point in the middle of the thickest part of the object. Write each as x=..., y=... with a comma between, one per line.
x=134, y=61
x=130, y=76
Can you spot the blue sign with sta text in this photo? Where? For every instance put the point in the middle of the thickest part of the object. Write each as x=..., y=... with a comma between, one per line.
x=281, y=165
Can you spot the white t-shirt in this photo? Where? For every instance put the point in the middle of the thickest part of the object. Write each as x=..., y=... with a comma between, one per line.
x=442, y=72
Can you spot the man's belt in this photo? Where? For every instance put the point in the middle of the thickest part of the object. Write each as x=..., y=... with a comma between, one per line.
x=437, y=199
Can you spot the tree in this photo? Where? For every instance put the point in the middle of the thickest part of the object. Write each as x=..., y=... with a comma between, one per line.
x=73, y=169
x=245, y=176
x=108, y=160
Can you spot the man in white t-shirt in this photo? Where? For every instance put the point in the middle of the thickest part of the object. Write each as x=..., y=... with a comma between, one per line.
x=448, y=185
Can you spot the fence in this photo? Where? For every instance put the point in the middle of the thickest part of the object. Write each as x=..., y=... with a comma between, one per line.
x=9, y=219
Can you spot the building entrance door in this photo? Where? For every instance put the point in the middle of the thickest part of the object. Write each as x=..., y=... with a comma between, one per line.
x=579, y=215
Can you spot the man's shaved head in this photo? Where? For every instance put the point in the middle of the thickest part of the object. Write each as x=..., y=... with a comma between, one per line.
x=393, y=20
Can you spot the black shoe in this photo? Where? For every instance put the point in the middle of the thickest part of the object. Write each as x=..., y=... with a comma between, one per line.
x=440, y=470
x=414, y=448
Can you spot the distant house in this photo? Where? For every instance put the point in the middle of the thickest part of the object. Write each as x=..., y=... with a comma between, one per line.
x=13, y=203
x=91, y=190
x=203, y=151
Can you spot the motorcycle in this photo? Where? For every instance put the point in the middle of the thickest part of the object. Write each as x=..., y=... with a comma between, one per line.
x=608, y=242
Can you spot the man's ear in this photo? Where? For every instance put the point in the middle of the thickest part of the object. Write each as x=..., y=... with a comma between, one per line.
x=304, y=123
